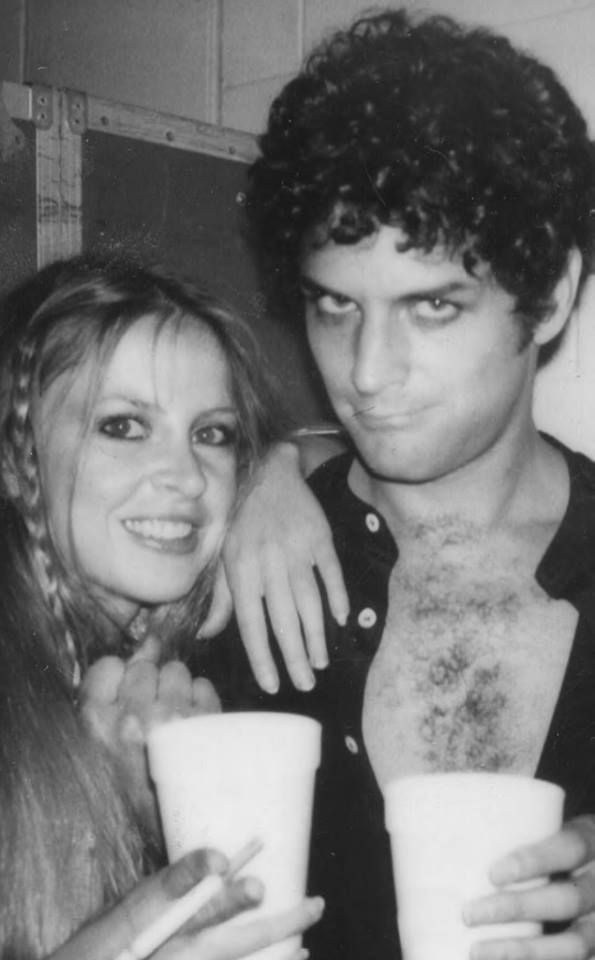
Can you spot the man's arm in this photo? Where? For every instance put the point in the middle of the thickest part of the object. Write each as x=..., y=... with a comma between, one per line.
x=279, y=539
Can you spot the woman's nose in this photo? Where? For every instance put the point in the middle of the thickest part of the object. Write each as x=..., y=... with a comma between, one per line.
x=179, y=468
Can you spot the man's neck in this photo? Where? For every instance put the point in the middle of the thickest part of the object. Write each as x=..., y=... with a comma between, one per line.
x=517, y=480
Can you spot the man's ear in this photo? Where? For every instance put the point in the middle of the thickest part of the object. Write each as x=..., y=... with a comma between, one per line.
x=563, y=300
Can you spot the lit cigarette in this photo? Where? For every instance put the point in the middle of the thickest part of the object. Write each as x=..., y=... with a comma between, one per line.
x=183, y=909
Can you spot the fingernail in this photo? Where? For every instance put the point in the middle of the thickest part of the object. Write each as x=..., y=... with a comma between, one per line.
x=468, y=914
x=319, y=663
x=485, y=910
x=505, y=871
x=269, y=682
x=304, y=679
x=253, y=888
x=316, y=906
x=131, y=730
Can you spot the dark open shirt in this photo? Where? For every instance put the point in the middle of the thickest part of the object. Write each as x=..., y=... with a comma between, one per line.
x=350, y=860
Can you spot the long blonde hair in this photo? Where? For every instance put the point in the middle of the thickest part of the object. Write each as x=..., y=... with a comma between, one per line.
x=69, y=842
x=86, y=309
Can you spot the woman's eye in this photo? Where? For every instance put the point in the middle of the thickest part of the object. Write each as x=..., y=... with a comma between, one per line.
x=436, y=310
x=123, y=428
x=215, y=435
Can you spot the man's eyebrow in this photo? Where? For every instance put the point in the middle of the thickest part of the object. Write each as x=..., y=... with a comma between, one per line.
x=311, y=287
x=442, y=289
x=436, y=290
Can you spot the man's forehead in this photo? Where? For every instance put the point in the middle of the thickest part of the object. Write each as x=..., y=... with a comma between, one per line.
x=390, y=249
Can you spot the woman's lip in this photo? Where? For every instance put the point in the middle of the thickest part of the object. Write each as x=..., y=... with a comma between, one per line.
x=164, y=534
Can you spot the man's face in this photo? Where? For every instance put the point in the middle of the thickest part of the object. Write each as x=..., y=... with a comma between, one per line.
x=421, y=361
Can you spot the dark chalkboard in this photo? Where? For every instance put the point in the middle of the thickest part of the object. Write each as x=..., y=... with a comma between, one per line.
x=181, y=211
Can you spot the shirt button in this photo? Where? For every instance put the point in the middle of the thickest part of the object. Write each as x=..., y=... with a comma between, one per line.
x=372, y=522
x=367, y=618
x=351, y=745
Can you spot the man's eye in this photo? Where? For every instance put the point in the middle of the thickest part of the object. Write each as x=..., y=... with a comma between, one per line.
x=334, y=305
x=215, y=435
x=123, y=428
x=436, y=310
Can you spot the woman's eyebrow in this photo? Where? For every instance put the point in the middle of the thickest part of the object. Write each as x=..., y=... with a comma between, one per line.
x=227, y=409
x=129, y=398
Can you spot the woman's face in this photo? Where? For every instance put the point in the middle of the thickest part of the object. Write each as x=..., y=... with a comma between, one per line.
x=138, y=487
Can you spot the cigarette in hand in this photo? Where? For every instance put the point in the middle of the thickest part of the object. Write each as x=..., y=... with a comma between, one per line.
x=182, y=910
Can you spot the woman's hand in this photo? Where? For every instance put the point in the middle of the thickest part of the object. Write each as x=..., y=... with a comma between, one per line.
x=569, y=897
x=278, y=538
x=120, y=701
x=204, y=938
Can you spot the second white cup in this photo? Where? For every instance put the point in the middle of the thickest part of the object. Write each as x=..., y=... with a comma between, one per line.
x=223, y=779
x=446, y=831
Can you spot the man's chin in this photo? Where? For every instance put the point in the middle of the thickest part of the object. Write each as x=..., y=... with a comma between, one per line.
x=393, y=469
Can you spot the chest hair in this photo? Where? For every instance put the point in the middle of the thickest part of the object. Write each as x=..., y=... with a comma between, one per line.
x=471, y=660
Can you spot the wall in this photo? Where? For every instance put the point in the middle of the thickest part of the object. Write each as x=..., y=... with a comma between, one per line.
x=264, y=40
x=223, y=60
x=161, y=54
x=12, y=40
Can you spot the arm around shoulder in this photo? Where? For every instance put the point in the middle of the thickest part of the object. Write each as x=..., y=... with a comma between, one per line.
x=277, y=540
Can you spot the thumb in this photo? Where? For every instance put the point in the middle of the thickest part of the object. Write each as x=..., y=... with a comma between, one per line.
x=102, y=681
x=221, y=607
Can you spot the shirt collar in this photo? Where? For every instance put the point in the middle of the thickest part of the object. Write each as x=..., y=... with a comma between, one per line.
x=567, y=569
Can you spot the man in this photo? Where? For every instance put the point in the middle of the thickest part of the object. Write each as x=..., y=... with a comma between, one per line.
x=423, y=200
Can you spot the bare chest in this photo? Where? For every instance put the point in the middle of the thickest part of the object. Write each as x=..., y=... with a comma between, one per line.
x=468, y=670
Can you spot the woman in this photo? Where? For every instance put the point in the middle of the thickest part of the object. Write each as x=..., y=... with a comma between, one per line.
x=131, y=413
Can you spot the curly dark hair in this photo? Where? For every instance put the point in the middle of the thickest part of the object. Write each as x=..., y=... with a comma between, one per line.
x=444, y=131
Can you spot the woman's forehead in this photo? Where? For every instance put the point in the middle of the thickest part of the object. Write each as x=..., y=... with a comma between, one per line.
x=151, y=354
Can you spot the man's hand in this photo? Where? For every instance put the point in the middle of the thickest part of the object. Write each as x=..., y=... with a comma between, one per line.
x=206, y=937
x=277, y=540
x=121, y=700
x=569, y=858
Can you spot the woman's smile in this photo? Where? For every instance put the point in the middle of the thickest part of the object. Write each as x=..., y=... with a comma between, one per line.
x=152, y=488
x=161, y=533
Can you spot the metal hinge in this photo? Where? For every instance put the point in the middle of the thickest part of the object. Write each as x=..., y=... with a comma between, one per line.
x=43, y=107
x=76, y=111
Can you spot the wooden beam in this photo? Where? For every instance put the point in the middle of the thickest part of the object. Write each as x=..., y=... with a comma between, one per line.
x=167, y=129
x=59, y=180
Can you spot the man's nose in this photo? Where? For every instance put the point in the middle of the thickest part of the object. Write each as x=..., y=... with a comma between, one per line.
x=382, y=352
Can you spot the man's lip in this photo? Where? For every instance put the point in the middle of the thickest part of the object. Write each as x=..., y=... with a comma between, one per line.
x=375, y=418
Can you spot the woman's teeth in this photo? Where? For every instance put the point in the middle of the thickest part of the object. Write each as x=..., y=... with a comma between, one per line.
x=159, y=529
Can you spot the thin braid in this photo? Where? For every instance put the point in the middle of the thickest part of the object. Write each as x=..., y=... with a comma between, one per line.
x=21, y=437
